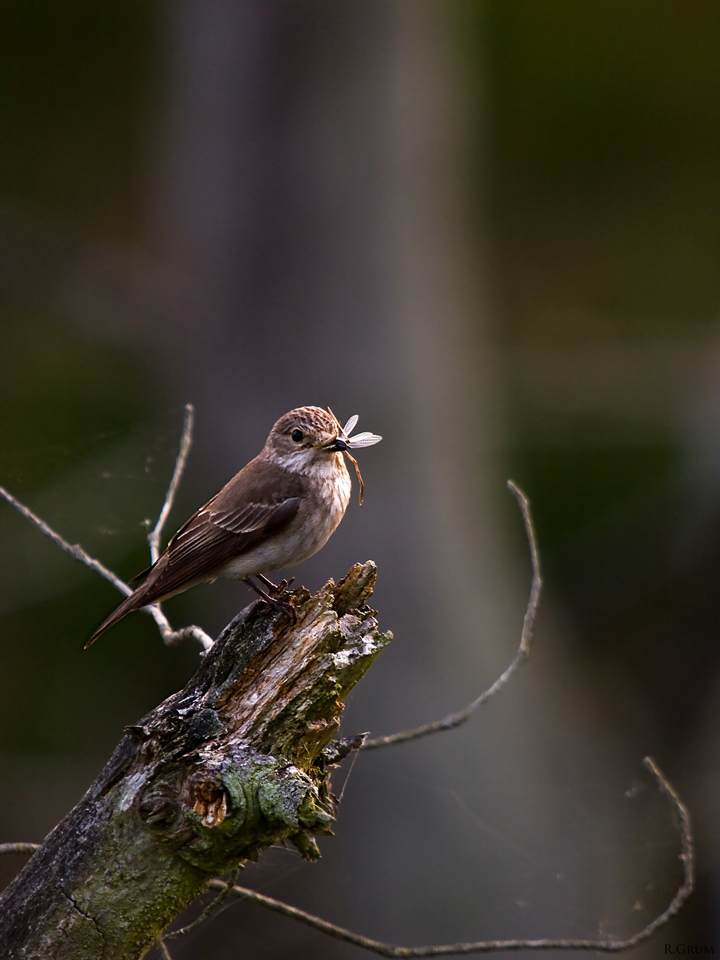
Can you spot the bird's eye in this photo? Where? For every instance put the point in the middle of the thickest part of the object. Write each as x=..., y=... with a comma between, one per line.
x=297, y=435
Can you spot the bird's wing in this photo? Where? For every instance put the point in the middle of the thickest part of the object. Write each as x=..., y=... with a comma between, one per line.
x=258, y=502
x=212, y=537
x=210, y=528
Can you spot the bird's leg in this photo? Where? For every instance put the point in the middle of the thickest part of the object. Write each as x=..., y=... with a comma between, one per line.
x=267, y=583
x=283, y=605
x=276, y=588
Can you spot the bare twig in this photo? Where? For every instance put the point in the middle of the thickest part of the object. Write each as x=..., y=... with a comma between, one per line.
x=486, y=946
x=74, y=549
x=185, y=444
x=209, y=910
x=687, y=856
x=169, y=635
x=164, y=950
x=173, y=637
x=19, y=847
x=454, y=720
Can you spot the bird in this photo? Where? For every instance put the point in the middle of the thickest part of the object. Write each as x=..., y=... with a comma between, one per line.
x=280, y=509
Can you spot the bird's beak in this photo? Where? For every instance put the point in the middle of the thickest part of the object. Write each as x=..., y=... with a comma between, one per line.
x=337, y=444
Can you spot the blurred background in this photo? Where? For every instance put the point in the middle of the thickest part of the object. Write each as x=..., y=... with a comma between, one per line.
x=492, y=229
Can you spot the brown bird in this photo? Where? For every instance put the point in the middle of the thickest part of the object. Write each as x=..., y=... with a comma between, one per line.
x=281, y=508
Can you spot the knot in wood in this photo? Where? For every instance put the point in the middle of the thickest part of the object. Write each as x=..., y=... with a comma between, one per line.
x=159, y=809
x=210, y=802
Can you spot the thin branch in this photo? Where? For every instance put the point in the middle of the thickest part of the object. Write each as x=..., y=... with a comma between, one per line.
x=169, y=635
x=173, y=637
x=19, y=847
x=687, y=856
x=486, y=946
x=74, y=549
x=454, y=720
x=164, y=950
x=209, y=910
x=185, y=444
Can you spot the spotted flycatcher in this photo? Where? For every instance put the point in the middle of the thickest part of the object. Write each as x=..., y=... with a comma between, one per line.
x=280, y=509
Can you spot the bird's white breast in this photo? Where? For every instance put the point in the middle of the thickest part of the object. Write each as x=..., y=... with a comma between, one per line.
x=317, y=519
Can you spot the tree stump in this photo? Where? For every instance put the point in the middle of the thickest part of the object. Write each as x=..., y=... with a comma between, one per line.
x=235, y=762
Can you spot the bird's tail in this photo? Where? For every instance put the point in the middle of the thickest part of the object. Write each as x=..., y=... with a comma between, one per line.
x=133, y=602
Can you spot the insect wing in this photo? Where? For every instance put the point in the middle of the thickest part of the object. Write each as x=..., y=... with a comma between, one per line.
x=350, y=425
x=363, y=440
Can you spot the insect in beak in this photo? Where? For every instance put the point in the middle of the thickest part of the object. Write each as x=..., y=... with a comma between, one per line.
x=337, y=444
x=351, y=443
x=357, y=474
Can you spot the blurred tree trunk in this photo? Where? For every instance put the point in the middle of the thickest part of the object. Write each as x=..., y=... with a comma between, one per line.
x=322, y=216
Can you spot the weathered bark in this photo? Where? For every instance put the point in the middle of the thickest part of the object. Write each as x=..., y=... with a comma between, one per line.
x=236, y=761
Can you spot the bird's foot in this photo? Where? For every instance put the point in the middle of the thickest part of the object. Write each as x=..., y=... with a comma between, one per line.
x=277, y=589
x=284, y=605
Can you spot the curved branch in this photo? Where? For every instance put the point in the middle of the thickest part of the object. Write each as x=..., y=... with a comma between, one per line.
x=185, y=444
x=169, y=635
x=208, y=912
x=486, y=946
x=453, y=720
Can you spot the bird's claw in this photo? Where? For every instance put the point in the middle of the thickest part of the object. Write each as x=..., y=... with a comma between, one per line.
x=291, y=612
x=286, y=607
x=269, y=595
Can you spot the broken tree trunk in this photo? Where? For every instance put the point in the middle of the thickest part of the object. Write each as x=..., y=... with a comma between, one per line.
x=236, y=761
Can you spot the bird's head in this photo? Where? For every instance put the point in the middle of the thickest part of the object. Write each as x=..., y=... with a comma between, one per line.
x=308, y=439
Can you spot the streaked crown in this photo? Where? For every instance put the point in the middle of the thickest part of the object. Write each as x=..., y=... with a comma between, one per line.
x=312, y=422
